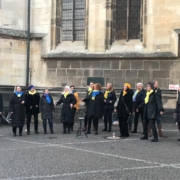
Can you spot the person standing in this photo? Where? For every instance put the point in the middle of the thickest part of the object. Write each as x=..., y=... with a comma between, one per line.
x=152, y=106
x=68, y=101
x=89, y=91
x=138, y=98
x=17, y=109
x=177, y=111
x=124, y=109
x=110, y=99
x=32, y=108
x=76, y=106
x=95, y=107
x=46, y=108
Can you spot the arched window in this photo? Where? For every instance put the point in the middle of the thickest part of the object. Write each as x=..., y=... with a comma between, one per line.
x=73, y=18
x=128, y=15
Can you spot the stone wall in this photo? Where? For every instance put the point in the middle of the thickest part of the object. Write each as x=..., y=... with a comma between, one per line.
x=76, y=71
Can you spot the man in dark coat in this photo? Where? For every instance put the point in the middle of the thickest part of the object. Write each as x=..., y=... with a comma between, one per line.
x=124, y=109
x=17, y=109
x=159, y=122
x=152, y=106
x=46, y=108
x=138, y=98
x=32, y=108
x=68, y=101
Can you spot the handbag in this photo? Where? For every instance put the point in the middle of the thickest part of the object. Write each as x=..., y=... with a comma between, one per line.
x=127, y=109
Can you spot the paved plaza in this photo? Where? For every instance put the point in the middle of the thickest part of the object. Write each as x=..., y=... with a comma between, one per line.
x=65, y=157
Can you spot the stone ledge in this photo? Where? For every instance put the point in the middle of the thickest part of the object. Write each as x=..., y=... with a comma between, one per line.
x=106, y=55
x=19, y=34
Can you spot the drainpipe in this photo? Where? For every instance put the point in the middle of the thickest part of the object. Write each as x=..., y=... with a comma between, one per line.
x=28, y=42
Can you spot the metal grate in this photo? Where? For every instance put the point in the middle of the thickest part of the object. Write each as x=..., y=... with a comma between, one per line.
x=73, y=20
x=128, y=19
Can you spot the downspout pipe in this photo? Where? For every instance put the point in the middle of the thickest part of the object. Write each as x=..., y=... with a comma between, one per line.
x=28, y=42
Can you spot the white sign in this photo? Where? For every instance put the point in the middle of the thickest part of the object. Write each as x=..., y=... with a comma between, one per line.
x=173, y=86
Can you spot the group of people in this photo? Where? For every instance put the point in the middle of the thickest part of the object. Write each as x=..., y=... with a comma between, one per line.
x=144, y=103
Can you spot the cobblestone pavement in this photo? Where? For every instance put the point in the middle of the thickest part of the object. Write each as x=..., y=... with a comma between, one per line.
x=65, y=157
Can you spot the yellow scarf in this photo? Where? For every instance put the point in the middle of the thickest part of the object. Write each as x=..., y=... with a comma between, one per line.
x=66, y=94
x=32, y=93
x=147, y=96
x=106, y=94
x=124, y=93
x=89, y=90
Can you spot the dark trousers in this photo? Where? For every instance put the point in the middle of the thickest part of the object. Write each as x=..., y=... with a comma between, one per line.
x=153, y=127
x=108, y=118
x=74, y=112
x=85, y=120
x=35, y=122
x=14, y=129
x=95, y=123
x=136, y=117
x=123, y=126
x=45, y=125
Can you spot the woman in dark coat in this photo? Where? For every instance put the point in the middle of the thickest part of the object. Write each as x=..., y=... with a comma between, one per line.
x=177, y=110
x=46, y=108
x=110, y=99
x=95, y=107
x=17, y=110
x=32, y=108
x=68, y=101
x=124, y=109
x=152, y=106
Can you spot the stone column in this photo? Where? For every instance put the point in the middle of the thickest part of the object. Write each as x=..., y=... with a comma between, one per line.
x=97, y=26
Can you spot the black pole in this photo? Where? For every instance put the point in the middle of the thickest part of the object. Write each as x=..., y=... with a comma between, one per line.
x=28, y=42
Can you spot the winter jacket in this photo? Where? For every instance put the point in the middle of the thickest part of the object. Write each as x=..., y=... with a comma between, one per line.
x=124, y=101
x=18, y=110
x=111, y=97
x=153, y=107
x=46, y=109
x=95, y=107
x=67, y=111
x=139, y=99
x=31, y=101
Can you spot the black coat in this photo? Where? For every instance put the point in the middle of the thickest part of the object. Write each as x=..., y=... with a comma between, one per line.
x=124, y=101
x=139, y=99
x=177, y=110
x=46, y=109
x=67, y=111
x=95, y=107
x=111, y=97
x=1, y=103
x=32, y=100
x=153, y=107
x=18, y=110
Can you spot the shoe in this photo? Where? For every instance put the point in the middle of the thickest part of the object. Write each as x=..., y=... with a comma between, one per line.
x=178, y=140
x=133, y=131
x=36, y=132
x=85, y=128
x=88, y=132
x=45, y=132
x=28, y=133
x=121, y=136
x=124, y=137
x=52, y=132
x=109, y=130
x=154, y=140
x=144, y=138
x=14, y=135
x=104, y=130
x=96, y=133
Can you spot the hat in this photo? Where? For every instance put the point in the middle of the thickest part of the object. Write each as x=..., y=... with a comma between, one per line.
x=128, y=85
x=30, y=87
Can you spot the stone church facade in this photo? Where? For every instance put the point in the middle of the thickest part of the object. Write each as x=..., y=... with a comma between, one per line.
x=76, y=41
